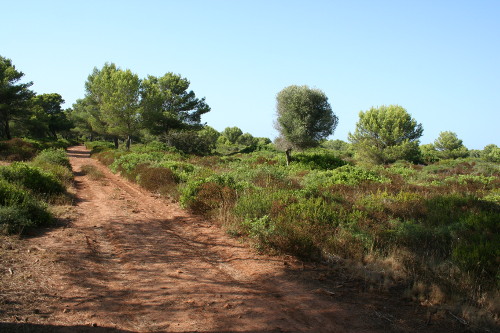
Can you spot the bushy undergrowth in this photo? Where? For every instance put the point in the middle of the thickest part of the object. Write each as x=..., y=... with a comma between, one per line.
x=26, y=188
x=20, y=209
x=17, y=150
x=439, y=222
x=98, y=146
x=32, y=178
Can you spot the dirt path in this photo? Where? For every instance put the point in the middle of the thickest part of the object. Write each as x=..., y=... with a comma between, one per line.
x=130, y=261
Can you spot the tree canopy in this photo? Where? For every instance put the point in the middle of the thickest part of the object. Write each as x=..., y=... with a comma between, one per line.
x=167, y=104
x=14, y=96
x=119, y=104
x=304, y=118
x=449, y=145
x=386, y=134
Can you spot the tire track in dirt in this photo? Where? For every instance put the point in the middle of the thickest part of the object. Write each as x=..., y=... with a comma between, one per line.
x=131, y=261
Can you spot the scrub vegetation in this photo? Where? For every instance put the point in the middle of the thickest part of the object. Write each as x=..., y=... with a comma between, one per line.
x=28, y=188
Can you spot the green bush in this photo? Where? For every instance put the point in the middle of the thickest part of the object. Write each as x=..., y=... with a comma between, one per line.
x=346, y=175
x=206, y=194
x=61, y=173
x=20, y=210
x=318, y=161
x=32, y=178
x=53, y=156
x=99, y=146
x=153, y=146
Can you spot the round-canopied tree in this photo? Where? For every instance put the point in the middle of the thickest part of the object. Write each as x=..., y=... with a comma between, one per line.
x=304, y=118
x=449, y=145
x=386, y=134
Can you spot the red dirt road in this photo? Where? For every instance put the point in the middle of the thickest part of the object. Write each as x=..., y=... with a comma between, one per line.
x=129, y=261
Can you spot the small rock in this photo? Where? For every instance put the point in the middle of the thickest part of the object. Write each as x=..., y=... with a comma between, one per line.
x=66, y=310
x=94, y=324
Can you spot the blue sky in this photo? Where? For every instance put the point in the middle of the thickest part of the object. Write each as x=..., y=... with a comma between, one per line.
x=438, y=59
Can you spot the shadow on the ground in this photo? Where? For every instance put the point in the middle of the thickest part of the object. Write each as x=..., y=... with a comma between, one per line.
x=41, y=328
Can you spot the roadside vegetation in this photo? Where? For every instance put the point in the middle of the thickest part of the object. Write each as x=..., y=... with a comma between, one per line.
x=29, y=187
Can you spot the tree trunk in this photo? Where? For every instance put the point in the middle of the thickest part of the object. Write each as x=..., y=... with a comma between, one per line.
x=127, y=144
x=6, y=129
x=288, y=153
x=115, y=140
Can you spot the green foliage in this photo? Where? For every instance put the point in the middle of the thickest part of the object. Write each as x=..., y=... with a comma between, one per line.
x=14, y=97
x=477, y=248
x=53, y=156
x=19, y=209
x=167, y=104
x=345, y=175
x=318, y=161
x=304, y=116
x=127, y=162
x=32, y=178
x=232, y=134
x=191, y=142
x=112, y=100
x=448, y=145
x=47, y=118
x=386, y=134
x=99, y=146
x=429, y=153
x=491, y=153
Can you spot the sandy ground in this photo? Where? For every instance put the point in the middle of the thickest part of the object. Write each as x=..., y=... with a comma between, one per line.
x=128, y=261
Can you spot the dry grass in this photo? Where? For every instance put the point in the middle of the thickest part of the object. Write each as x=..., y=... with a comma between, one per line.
x=92, y=172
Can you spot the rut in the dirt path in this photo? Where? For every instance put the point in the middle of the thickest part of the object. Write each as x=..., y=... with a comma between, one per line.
x=130, y=261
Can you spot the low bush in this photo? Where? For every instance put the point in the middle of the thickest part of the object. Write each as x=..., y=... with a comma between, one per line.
x=17, y=150
x=20, y=210
x=99, y=146
x=92, y=172
x=53, y=156
x=158, y=179
x=318, y=161
x=345, y=175
x=107, y=157
x=32, y=178
x=204, y=195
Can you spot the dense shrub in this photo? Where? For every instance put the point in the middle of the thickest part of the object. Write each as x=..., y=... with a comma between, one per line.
x=107, y=157
x=19, y=209
x=318, y=161
x=158, y=179
x=17, y=150
x=53, y=156
x=206, y=194
x=99, y=146
x=32, y=178
x=346, y=175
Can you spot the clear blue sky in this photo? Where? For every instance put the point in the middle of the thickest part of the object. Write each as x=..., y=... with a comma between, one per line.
x=438, y=59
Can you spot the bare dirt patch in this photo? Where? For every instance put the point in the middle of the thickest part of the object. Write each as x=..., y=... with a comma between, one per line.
x=124, y=260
